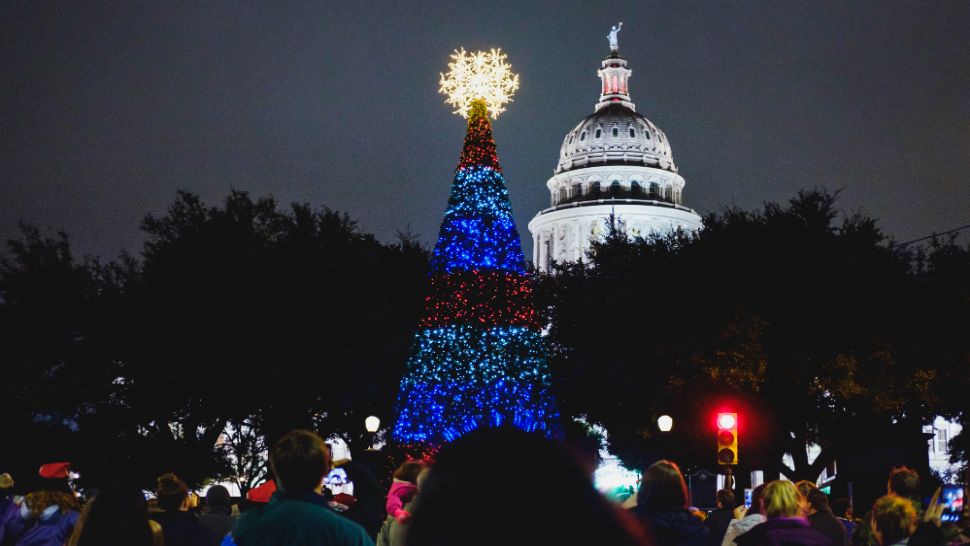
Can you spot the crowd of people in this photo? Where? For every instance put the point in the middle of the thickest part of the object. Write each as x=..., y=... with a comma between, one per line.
x=465, y=496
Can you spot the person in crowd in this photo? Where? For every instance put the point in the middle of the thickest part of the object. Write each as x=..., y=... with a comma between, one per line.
x=719, y=519
x=903, y=482
x=785, y=523
x=116, y=516
x=217, y=515
x=367, y=509
x=893, y=520
x=403, y=489
x=6, y=492
x=179, y=526
x=746, y=518
x=47, y=515
x=896, y=523
x=820, y=517
x=843, y=510
x=551, y=498
x=662, y=506
x=297, y=513
x=393, y=530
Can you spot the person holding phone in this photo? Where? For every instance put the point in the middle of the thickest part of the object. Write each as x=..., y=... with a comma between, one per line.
x=745, y=517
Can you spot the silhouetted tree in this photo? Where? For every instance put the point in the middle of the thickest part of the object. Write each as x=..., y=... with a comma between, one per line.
x=802, y=320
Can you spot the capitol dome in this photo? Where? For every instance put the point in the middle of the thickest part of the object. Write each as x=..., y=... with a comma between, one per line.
x=615, y=135
x=614, y=164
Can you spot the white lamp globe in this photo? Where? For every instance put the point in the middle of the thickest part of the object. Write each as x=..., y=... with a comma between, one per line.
x=372, y=423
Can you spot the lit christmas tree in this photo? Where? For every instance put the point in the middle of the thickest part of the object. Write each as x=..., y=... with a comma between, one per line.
x=478, y=358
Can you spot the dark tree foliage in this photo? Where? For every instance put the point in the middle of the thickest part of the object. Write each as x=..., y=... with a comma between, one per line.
x=232, y=314
x=813, y=325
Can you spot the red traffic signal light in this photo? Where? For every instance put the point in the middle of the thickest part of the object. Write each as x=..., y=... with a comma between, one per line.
x=727, y=438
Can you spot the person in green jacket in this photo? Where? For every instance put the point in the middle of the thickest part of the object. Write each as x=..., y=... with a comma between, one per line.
x=297, y=514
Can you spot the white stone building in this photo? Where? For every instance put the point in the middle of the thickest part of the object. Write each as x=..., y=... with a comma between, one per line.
x=615, y=162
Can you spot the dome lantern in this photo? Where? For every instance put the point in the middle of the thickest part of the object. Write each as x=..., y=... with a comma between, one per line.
x=615, y=77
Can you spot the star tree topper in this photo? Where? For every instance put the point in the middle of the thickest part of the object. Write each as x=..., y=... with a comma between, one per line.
x=479, y=76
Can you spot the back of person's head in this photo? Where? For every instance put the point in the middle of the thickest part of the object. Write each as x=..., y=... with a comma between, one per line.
x=893, y=519
x=818, y=500
x=171, y=492
x=300, y=460
x=782, y=500
x=422, y=478
x=805, y=487
x=662, y=488
x=408, y=471
x=840, y=507
x=218, y=498
x=903, y=482
x=38, y=501
x=6, y=484
x=115, y=517
x=554, y=501
x=725, y=498
x=757, y=500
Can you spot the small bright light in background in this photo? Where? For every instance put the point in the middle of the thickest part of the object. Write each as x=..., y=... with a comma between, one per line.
x=479, y=75
x=726, y=421
x=372, y=423
x=665, y=423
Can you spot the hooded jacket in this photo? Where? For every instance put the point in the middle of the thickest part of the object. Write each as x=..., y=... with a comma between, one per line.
x=676, y=527
x=738, y=527
x=783, y=532
x=297, y=519
x=52, y=529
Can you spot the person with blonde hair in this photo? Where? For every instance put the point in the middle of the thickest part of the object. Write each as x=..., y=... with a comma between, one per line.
x=784, y=508
x=893, y=520
x=896, y=522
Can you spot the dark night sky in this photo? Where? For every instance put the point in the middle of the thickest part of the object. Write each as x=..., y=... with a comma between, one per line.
x=105, y=110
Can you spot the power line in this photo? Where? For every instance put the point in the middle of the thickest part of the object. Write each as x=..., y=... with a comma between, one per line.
x=954, y=230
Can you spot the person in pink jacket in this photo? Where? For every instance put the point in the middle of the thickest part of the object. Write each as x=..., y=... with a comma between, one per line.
x=403, y=489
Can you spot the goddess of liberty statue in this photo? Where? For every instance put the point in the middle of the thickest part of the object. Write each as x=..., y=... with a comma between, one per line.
x=614, y=43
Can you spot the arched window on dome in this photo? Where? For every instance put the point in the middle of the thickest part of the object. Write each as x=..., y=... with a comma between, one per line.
x=635, y=187
x=633, y=133
x=599, y=133
x=571, y=139
x=563, y=194
x=577, y=189
x=654, y=189
x=615, y=188
x=646, y=133
x=582, y=136
x=594, y=189
x=668, y=194
x=616, y=131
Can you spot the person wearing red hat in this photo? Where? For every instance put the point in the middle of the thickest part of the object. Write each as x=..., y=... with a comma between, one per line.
x=47, y=515
x=262, y=493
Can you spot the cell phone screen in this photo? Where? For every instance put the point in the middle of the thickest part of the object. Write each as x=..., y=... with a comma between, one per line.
x=747, y=498
x=951, y=498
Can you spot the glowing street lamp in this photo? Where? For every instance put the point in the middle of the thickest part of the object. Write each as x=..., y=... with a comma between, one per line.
x=665, y=423
x=372, y=423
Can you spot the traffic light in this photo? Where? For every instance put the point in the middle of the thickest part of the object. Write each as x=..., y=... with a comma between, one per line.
x=727, y=438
